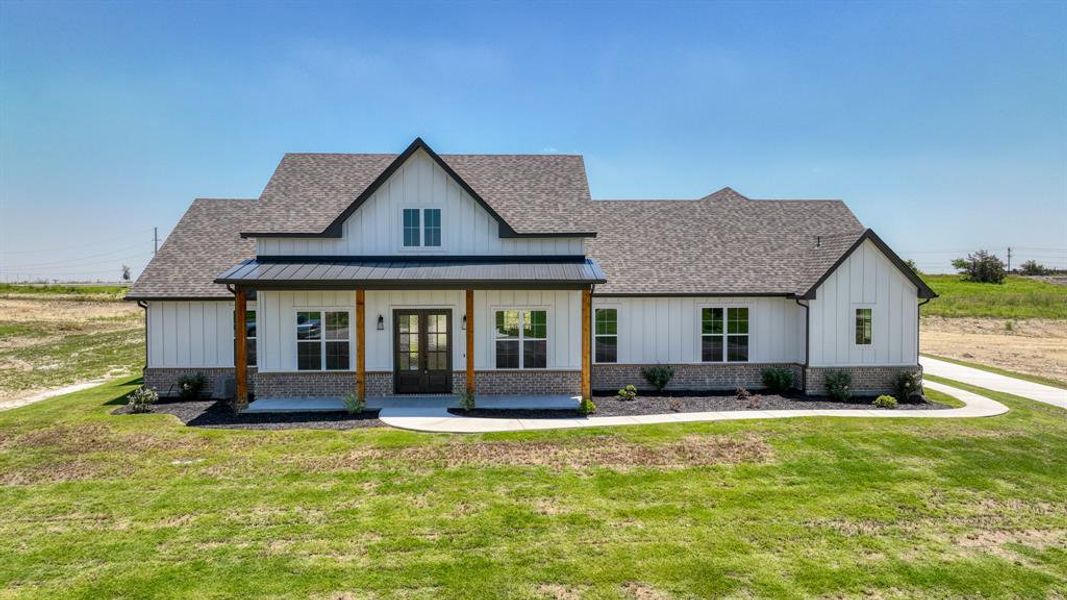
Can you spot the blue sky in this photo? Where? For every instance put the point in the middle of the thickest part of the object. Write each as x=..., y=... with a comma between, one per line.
x=943, y=125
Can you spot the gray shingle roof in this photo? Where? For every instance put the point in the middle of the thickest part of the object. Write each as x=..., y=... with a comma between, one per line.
x=205, y=242
x=532, y=193
x=720, y=244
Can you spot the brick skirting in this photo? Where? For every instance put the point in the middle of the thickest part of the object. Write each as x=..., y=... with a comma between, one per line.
x=380, y=383
x=866, y=381
x=164, y=380
x=708, y=376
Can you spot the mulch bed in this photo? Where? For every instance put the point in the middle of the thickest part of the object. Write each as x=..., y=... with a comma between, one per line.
x=655, y=405
x=217, y=415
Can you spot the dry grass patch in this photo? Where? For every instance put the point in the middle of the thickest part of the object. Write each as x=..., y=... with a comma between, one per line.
x=643, y=591
x=1033, y=346
x=602, y=451
x=555, y=591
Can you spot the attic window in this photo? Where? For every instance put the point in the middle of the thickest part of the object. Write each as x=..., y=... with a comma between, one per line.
x=422, y=228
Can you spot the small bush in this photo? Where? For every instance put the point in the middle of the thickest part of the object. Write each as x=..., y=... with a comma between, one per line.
x=777, y=379
x=908, y=386
x=141, y=399
x=1032, y=267
x=586, y=406
x=743, y=394
x=981, y=267
x=885, y=401
x=354, y=404
x=838, y=384
x=675, y=405
x=190, y=385
x=466, y=400
x=658, y=376
x=627, y=393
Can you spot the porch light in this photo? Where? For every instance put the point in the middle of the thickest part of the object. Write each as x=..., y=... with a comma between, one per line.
x=381, y=323
x=463, y=325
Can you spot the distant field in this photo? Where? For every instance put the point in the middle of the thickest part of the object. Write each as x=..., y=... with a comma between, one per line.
x=1016, y=298
x=56, y=335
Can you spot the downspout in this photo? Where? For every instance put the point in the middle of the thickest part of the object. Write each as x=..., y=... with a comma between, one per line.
x=918, y=315
x=144, y=305
x=807, y=345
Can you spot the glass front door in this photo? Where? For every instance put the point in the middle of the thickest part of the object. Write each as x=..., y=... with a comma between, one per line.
x=422, y=341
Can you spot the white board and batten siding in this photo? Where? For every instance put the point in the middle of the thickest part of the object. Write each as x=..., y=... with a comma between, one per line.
x=866, y=279
x=277, y=323
x=191, y=334
x=376, y=227
x=666, y=330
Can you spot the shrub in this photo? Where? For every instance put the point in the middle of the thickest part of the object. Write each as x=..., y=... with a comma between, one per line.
x=627, y=393
x=885, y=401
x=466, y=399
x=908, y=386
x=658, y=376
x=838, y=384
x=743, y=394
x=777, y=379
x=354, y=404
x=676, y=405
x=190, y=385
x=981, y=267
x=1032, y=267
x=586, y=406
x=141, y=399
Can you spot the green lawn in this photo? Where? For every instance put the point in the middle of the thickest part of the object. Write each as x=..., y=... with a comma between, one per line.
x=96, y=505
x=1016, y=298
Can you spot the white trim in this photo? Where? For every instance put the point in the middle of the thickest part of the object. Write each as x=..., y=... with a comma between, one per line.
x=855, y=306
x=422, y=248
x=322, y=340
x=618, y=331
x=522, y=363
x=725, y=306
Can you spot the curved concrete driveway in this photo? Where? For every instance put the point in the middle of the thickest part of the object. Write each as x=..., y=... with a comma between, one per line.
x=439, y=420
x=994, y=381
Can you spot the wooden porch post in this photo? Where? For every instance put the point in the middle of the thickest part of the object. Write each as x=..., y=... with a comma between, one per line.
x=470, y=341
x=587, y=316
x=361, y=344
x=240, y=354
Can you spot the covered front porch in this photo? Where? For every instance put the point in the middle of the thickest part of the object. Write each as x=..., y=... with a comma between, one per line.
x=513, y=333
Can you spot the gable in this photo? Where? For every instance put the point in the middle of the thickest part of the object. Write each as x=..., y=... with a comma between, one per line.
x=374, y=226
x=871, y=245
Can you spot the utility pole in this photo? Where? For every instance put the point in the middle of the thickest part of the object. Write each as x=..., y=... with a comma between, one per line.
x=155, y=244
x=1009, y=259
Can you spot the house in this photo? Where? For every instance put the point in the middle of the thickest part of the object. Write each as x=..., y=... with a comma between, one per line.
x=420, y=273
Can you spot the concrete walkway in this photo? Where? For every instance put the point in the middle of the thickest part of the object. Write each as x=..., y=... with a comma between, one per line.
x=994, y=381
x=438, y=419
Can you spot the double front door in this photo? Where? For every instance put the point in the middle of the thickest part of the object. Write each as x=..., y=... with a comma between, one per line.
x=422, y=351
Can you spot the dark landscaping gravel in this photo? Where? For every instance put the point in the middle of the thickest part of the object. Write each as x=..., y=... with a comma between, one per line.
x=608, y=406
x=217, y=415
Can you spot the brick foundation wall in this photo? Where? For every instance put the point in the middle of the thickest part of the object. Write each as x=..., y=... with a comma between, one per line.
x=165, y=380
x=866, y=381
x=380, y=383
x=709, y=376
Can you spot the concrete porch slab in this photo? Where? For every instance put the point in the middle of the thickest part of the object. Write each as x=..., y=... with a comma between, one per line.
x=410, y=403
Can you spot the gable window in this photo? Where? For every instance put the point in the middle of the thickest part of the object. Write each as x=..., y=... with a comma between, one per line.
x=322, y=341
x=521, y=339
x=606, y=334
x=724, y=334
x=864, y=321
x=422, y=227
x=250, y=335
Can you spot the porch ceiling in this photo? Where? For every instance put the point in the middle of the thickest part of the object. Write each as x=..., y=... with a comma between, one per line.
x=402, y=273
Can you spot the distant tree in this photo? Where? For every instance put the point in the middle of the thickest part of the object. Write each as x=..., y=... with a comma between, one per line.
x=981, y=267
x=125, y=273
x=914, y=267
x=1032, y=267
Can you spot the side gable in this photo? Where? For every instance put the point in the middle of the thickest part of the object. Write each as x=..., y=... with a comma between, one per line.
x=923, y=290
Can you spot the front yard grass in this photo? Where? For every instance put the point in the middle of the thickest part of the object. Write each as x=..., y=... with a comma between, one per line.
x=97, y=505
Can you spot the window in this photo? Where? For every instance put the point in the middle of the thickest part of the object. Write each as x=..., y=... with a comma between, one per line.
x=411, y=228
x=250, y=335
x=864, y=317
x=521, y=339
x=606, y=334
x=322, y=341
x=422, y=227
x=724, y=334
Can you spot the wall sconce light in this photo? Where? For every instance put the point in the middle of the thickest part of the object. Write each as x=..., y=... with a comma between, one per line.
x=381, y=323
x=463, y=325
